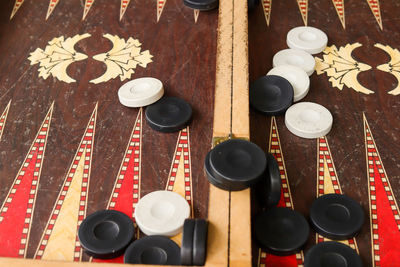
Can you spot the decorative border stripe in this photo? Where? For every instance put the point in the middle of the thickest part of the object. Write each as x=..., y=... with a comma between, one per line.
x=85, y=150
x=182, y=149
x=132, y=152
x=28, y=176
x=376, y=174
x=86, y=9
x=17, y=5
x=325, y=157
x=303, y=7
x=3, y=119
x=267, y=8
x=124, y=5
x=160, y=8
x=196, y=14
x=52, y=6
x=265, y=259
x=126, y=192
x=339, y=7
x=376, y=11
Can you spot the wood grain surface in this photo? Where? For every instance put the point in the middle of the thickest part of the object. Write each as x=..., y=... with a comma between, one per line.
x=346, y=138
x=184, y=55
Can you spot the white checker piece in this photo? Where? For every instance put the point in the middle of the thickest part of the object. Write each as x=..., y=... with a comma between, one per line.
x=162, y=213
x=295, y=57
x=296, y=76
x=140, y=92
x=308, y=120
x=309, y=39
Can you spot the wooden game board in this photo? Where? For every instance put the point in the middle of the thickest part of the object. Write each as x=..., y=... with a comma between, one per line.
x=356, y=79
x=53, y=128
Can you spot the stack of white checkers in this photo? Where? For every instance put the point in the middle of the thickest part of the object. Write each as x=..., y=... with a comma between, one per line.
x=273, y=97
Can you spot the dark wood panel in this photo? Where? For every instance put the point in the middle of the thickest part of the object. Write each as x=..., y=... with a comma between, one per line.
x=183, y=59
x=346, y=138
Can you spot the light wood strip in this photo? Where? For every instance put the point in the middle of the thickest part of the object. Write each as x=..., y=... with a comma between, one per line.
x=230, y=238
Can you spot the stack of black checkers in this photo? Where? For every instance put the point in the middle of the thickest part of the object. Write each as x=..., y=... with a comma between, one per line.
x=235, y=165
x=194, y=242
x=278, y=230
x=283, y=231
x=108, y=234
x=337, y=217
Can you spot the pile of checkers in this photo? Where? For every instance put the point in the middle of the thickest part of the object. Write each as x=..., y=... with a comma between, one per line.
x=238, y=164
x=288, y=82
x=160, y=215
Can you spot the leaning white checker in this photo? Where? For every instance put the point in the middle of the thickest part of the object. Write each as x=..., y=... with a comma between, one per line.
x=309, y=39
x=295, y=57
x=297, y=77
x=162, y=213
x=308, y=120
x=140, y=92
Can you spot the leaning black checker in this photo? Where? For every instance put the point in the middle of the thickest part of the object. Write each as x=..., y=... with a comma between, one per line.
x=271, y=95
x=200, y=242
x=187, y=242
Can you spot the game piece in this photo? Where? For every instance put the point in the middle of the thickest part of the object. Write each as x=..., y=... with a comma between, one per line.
x=308, y=120
x=140, y=92
x=272, y=182
x=309, y=39
x=252, y=4
x=297, y=77
x=162, y=213
x=237, y=164
x=221, y=184
x=200, y=242
x=271, y=95
x=336, y=216
x=187, y=242
x=333, y=254
x=211, y=178
x=281, y=231
x=106, y=233
x=202, y=5
x=157, y=250
x=169, y=114
x=295, y=57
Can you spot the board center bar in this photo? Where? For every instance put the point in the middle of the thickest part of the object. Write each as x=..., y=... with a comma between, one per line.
x=230, y=239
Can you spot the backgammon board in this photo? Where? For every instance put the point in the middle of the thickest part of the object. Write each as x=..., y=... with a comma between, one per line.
x=69, y=148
